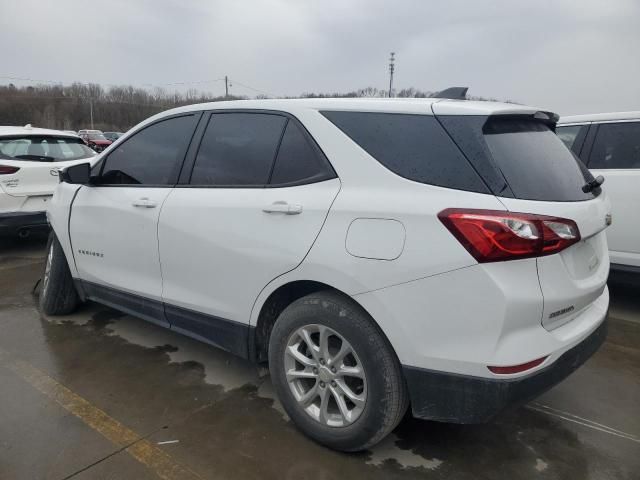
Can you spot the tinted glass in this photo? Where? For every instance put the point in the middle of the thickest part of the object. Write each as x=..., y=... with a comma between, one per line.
x=570, y=135
x=413, y=146
x=298, y=159
x=534, y=161
x=617, y=145
x=44, y=148
x=152, y=156
x=238, y=149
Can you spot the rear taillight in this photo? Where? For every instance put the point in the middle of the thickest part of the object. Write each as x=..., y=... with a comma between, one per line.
x=494, y=236
x=7, y=170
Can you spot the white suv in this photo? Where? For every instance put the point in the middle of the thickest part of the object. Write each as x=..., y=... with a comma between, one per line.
x=29, y=162
x=376, y=253
x=609, y=144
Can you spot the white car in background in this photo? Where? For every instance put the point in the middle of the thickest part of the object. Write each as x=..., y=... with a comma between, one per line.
x=29, y=162
x=609, y=145
x=448, y=255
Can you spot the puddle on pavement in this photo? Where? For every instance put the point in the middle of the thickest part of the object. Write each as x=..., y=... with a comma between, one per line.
x=220, y=369
x=523, y=443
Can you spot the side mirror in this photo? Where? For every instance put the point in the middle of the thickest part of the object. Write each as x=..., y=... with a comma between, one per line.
x=76, y=174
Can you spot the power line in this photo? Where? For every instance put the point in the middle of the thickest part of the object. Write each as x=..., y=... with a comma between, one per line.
x=105, y=102
x=183, y=83
x=254, y=89
x=60, y=82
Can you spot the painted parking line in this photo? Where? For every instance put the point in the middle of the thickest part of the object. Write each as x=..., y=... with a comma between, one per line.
x=585, y=422
x=120, y=435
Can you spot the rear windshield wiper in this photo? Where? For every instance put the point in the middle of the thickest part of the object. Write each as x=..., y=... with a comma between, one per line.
x=593, y=184
x=39, y=158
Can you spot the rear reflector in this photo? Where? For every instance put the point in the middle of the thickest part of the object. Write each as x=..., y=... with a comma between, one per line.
x=523, y=367
x=7, y=170
x=494, y=235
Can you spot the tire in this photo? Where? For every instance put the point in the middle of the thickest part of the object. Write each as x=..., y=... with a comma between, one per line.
x=58, y=295
x=380, y=397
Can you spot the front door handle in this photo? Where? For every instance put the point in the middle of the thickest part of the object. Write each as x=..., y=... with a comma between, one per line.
x=283, y=207
x=144, y=202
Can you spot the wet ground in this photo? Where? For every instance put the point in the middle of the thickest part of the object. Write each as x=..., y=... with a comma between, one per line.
x=102, y=395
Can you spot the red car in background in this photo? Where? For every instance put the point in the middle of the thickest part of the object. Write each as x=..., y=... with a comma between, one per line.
x=95, y=139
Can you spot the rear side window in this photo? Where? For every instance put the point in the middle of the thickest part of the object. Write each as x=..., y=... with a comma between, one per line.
x=572, y=136
x=617, y=145
x=238, y=149
x=299, y=160
x=153, y=156
x=534, y=161
x=415, y=147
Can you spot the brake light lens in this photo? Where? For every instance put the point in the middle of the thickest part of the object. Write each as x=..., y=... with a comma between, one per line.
x=495, y=236
x=7, y=170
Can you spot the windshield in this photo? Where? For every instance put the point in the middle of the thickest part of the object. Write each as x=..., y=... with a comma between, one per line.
x=96, y=136
x=44, y=148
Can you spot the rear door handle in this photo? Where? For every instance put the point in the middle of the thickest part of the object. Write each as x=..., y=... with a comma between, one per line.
x=144, y=202
x=283, y=207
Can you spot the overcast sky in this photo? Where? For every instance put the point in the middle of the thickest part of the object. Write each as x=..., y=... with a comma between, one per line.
x=576, y=56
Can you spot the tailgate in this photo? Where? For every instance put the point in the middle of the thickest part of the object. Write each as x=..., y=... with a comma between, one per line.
x=531, y=171
x=574, y=278
x=32, y=178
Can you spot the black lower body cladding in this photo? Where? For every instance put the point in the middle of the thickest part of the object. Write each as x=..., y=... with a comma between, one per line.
x=457, y=398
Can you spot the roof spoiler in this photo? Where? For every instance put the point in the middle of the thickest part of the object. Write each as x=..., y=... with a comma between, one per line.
x=549, y=117
x=452, y=93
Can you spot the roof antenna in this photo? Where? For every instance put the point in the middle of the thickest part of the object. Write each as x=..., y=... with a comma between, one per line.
x=453, y=93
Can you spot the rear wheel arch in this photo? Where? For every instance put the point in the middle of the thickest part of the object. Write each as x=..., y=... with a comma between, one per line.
x=279, y=300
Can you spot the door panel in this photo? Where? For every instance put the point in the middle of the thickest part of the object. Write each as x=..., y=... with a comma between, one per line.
x=115, y=242
x=219, y=247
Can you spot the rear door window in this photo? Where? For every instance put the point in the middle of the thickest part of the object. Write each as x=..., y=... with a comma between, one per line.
x=299, y=160
x=534, y=161
x=415, y=147
x=238, y=149
x=617, y=145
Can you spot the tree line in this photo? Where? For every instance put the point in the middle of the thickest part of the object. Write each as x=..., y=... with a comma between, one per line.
x=118, y=108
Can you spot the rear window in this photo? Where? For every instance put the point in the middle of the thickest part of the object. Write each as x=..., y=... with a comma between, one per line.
x=415, y=147
x=44, y=149
x=536, y=164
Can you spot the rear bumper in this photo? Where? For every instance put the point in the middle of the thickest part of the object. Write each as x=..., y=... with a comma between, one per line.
x=13, y=222
x=465, y=399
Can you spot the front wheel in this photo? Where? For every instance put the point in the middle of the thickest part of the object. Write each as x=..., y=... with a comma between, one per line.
x=58, y=295
x=335, y=373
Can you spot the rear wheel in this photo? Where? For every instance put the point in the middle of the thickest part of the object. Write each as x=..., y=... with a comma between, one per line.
x=58, y=295
x=335, y=373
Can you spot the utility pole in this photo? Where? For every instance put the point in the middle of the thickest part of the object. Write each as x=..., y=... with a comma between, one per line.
x=91, y=111
x=392, y=67
x=226, y=87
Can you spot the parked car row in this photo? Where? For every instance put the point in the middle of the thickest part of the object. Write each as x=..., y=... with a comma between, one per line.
x=98, y=140
x=440, y=255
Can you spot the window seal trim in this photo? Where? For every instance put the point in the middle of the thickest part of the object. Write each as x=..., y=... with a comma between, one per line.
x=184, y=181
x=175, y=174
